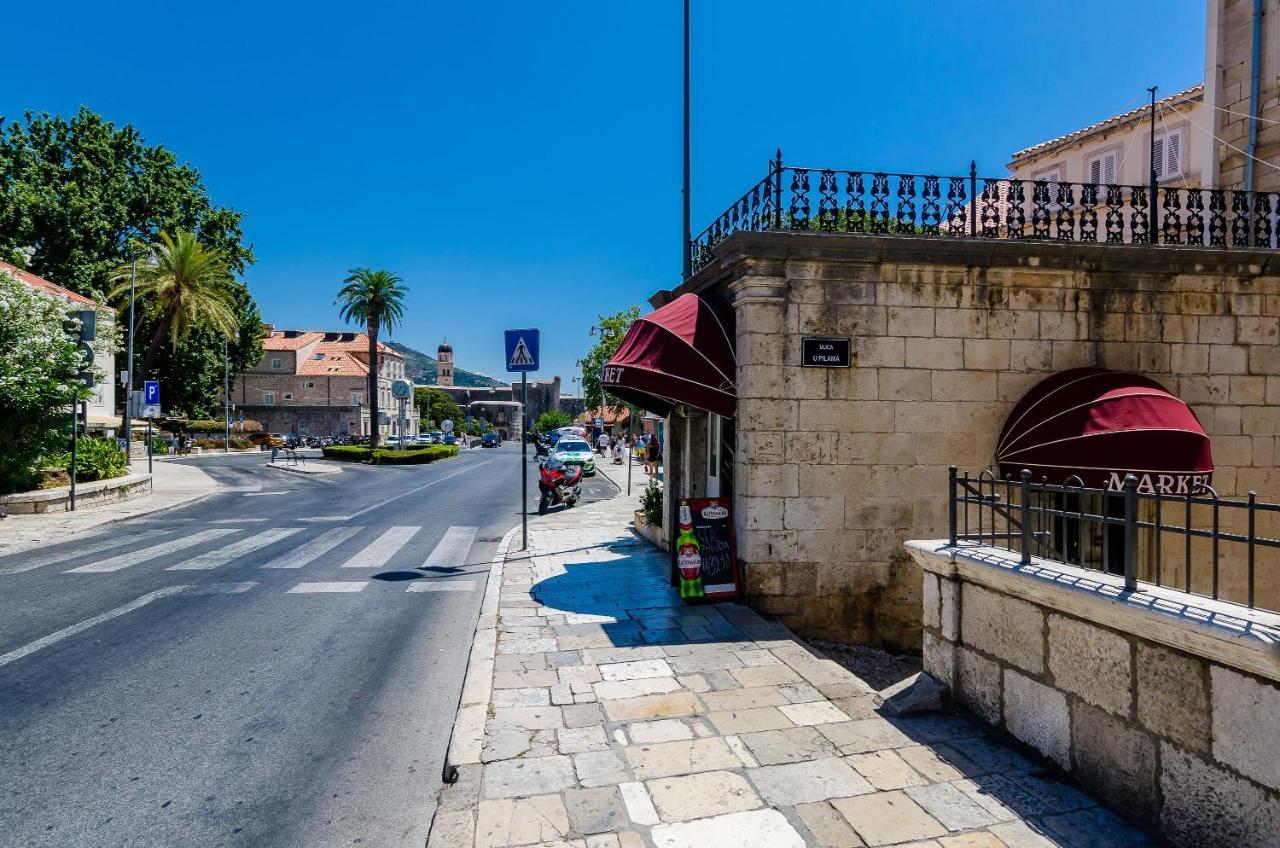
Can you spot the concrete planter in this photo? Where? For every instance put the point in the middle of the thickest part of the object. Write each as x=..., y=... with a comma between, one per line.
x=88, y=495
x=649, y=532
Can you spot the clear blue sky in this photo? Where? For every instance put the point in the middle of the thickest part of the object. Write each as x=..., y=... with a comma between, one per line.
x=519, y=163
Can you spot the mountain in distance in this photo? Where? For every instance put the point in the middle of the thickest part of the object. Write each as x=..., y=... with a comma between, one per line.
x=421, y=369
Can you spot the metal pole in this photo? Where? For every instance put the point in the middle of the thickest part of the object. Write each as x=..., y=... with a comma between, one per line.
x=524, y=458
x=75, y=430
x=1151, y=225
x=1026, y=517
x=973, y=203
x=1130, y=533
x=951, y=505
x=686, y=254
x=631, y=441
x=226, y=397
x=126, y=420
x=150, y=469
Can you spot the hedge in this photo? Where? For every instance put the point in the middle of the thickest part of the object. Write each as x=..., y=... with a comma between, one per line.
x=383, y=456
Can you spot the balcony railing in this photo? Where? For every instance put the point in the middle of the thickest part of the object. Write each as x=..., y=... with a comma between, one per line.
x=840, y=201
x=1194, y=542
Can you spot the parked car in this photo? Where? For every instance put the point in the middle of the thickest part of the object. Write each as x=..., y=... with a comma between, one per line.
x=575, y=451
x=267, y=440
x=490, y=440
x=449, y=439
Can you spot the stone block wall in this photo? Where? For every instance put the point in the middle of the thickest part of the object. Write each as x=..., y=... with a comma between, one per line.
x=1160, y=711
x=836, y=467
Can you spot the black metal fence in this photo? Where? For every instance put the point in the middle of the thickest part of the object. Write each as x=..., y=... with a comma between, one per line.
x=837, y=200
x=1122, y=532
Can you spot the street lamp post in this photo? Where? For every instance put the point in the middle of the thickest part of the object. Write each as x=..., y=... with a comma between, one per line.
x=226, y=398
x=126, y=420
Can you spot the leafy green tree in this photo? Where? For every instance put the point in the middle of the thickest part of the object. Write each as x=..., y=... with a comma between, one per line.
x=376, y=299
x=39, y=381
x=608, y=333
x=552, y=419
x=435, y=406
x=77, y=198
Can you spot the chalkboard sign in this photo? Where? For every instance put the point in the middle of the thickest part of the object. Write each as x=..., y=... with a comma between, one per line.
x=713, y=528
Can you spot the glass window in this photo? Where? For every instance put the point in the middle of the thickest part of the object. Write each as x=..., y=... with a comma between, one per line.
x=269, y=399
x=276, y=364
x=566, y=446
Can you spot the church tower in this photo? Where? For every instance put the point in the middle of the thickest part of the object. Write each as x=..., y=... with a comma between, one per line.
x=444, y=370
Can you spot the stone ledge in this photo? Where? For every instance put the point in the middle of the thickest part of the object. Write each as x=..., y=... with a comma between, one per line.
x=1224, y=633
x=59, y=498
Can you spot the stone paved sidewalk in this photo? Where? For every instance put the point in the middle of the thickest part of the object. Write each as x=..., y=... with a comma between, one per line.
x=607, y=713
x=173, y=485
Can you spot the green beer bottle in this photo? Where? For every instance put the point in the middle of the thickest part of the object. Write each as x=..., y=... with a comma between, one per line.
x=688, y=556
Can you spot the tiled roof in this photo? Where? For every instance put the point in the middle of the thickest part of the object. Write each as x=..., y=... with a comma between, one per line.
x=46, y=286
x=279, y=341
x=330, y=359
x=1196, y=92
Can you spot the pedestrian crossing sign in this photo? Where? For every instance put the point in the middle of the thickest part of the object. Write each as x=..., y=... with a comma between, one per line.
x=522, y=350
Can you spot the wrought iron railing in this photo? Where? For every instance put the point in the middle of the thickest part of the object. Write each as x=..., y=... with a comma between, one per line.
x=1213, y=549
x=837, y=200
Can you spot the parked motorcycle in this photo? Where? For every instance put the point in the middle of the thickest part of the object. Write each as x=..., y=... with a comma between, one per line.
x=560, y=483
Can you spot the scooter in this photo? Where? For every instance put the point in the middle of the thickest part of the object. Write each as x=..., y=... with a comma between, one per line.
x=560, y=483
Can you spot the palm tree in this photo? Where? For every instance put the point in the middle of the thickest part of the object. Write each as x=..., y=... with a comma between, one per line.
x=189, y=283
x=375, y=298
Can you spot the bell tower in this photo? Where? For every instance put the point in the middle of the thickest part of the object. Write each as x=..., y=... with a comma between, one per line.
x=444, y=370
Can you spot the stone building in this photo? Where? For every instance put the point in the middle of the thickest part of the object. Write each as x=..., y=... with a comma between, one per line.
x=831, y=468
x=315, y=383
x=544, y=395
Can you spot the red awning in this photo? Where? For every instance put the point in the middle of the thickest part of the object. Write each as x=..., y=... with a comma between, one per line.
x=680, y=353
x=1100, y=425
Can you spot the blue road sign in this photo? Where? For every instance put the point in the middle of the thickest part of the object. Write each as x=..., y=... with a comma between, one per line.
x=522, y=350
x=151, y=392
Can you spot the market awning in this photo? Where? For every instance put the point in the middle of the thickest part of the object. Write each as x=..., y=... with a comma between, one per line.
x=1099, y=425
x=680, y=353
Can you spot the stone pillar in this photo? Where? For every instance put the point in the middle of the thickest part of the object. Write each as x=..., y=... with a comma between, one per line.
x=764, y=417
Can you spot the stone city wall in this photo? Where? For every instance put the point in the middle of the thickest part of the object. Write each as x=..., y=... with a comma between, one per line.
x=835, y=467
x=1162, y=704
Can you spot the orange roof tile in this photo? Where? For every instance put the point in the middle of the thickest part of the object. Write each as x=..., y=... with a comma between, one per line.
x=278, y=341
x=46, y=286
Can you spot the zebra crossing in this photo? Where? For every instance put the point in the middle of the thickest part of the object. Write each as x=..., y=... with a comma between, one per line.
x=342, y=548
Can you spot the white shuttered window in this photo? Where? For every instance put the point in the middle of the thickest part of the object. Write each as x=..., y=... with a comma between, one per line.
x=1168, y=154
x=1102, y=169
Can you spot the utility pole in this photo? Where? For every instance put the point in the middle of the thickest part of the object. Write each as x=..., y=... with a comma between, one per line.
x=1151, y=226
x=226, y=397
x=524, y=460
x=685, y=250
x=126, y=421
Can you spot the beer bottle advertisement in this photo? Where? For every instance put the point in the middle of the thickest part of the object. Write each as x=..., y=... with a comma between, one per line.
x=688, y=556
x=706, y=562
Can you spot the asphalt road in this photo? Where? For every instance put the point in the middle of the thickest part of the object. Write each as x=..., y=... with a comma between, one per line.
x=277, y=665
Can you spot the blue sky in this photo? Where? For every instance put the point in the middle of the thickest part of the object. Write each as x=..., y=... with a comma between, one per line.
x=518, y=163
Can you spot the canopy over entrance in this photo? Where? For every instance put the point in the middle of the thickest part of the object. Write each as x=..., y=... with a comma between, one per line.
x=1098, y=426
x=680, y=353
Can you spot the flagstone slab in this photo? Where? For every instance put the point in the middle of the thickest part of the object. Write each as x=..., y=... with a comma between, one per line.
x=528, y=777
x=749, y=721
x=789, y=745
x=885, y=818
x=521, y=821
x=662, y=730
x=757, y=829
x=807, y=782
x=666, y=759
x=667, y=705
x=700, y=795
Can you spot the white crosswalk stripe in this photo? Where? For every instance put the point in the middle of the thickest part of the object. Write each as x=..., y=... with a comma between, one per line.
x=125, y=560
x=313, y=549
x=381, y=549
x=78, y=550
x=443, y=586
x=453, y=548
x=222, y=556
x=221, y=588
x=330, y=586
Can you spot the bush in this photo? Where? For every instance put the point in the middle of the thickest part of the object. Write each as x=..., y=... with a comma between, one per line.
x=651, y=504
x=383, y=456
x=96, y=459
x=159, y=444
x=552, y=419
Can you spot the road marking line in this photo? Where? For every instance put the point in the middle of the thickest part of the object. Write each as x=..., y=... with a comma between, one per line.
x=381, y=549
x=258, y=494
x=453, y=548
x=84, y=550
x=443, y=586
x=401, y=495
x=221, y=556
x=66, y=632
x=236, y=520
x=120, y=561
x=313, y=549
x=221, y=588
x=332, y=586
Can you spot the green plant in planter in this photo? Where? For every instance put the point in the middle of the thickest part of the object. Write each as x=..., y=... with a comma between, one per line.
x=96, y=459
x=651, y=504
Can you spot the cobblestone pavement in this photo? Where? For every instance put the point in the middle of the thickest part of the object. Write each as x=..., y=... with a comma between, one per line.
x=602, y=712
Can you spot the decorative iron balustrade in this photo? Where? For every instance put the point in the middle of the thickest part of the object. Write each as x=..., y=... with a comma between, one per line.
x=841, y=201
x=1124, y=532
